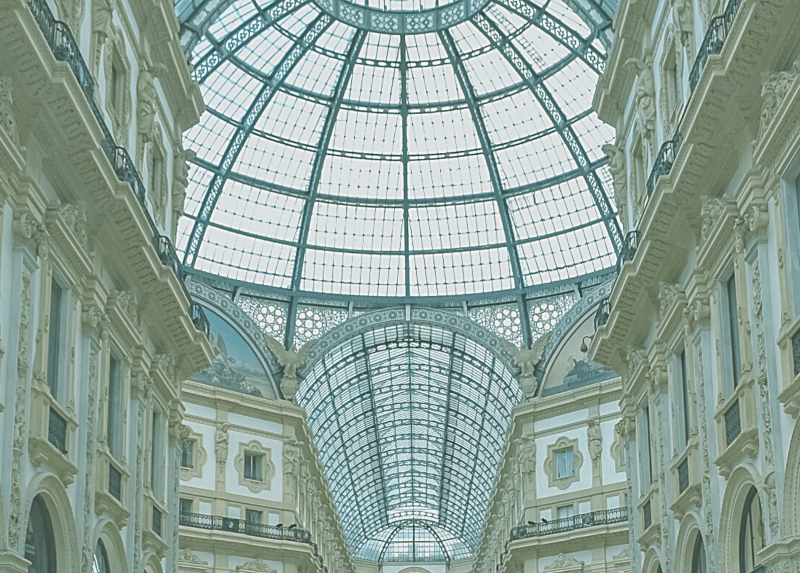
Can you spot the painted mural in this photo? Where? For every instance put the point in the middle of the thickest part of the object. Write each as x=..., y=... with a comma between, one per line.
x=235, y=365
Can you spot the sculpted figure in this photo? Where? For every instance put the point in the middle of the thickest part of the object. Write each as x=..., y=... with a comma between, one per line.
x=221, y=444
x=616, y=165
x=645, y=94
x=527, y=358
x=146, y=101
x=7, y=121
x=291, y=359
x=683, y=16
x=595, y=440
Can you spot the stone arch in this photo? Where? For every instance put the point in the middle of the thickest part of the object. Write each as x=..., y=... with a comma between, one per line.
x=414, y=569
x=652, y=561
x=437, y=318
x=684, y=546
x=52, y=492
x=152, y=564
x=791, y=509
x=107, y=532
x=744, y=477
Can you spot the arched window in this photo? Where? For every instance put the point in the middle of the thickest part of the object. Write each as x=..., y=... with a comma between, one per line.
x=699, y=555
x=40, y=546
x=100, y=560
x=751, y=533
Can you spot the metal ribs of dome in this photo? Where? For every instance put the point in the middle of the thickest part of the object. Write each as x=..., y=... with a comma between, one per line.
x=502, y=229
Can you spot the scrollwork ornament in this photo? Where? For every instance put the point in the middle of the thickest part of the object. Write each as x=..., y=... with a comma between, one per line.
x=7, y=120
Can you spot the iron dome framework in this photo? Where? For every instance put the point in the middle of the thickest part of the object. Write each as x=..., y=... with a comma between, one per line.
x=356, y=156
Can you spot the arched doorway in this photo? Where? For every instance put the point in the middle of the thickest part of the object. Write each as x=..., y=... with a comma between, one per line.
x=698, y=554
x=40, y=546
x=100, y=559
x=751, y=533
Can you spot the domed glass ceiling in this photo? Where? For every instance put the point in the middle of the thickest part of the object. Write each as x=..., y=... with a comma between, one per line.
x=340, y=159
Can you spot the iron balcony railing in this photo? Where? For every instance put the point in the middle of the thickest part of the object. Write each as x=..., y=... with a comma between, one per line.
x=602, y=314
x=64, y=47
x=582, y=521
x=628, y=249
x=234, y=525
x=714, y=40
x=57, y=431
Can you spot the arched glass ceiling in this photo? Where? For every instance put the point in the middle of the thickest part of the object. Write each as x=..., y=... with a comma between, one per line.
x=410, y=422
x=337, y=159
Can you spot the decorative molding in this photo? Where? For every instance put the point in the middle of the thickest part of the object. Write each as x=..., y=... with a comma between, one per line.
x=199, y=455
x=187, y=556
x=256, y=564
x=267, y=467
x=563, y=443
x=775, y=87
x=7, y=121
x=565, y=563
x=119, y=111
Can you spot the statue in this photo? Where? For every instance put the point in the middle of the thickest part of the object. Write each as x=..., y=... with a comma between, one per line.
x=683, y=16
x=526, y=454
x=221, y=444
x=291, y=359
x=179, y=185
x=527, y=358
x=146, y=101
x=616, y=165
x=645, y=96
x=595, y=441
x=102, y=27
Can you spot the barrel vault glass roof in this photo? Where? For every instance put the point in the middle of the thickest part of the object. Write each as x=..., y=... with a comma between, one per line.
x=396, y=151
x=340, y=160
x=410, y=421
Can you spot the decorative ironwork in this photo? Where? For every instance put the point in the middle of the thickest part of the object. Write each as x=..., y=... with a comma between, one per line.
x=796, y=352
x=199, y=318
x=582, y=521
x=664, y=161
x=733, y=423
x=233, y=525
x=714, y=40
x=114, y=482
x=647, y=514
x=547, y=313
x=270, y=316
x=683, y=476
x=503, y=320
x=64, y=47
x=628, y=249
x=57, y=431
x=602, y=314
x=157, y=521
x=311, y=322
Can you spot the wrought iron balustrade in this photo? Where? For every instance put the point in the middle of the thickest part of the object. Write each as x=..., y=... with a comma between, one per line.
x=683, y=476
x=57, y=431
x=64, y=47
x=714, y=40
x=628, y=249
x=157, y=517
x=603, y=311
x=733, y=423
x=114, y=482
x=234, y=525
x=199, y=318
x=582, y=521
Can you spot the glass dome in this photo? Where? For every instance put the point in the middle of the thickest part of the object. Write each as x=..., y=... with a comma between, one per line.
x=353, y=151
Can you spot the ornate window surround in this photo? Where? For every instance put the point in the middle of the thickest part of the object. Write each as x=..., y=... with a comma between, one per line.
x=119, y=111
x=268, y=468
x=199, y=458
x=560, y=444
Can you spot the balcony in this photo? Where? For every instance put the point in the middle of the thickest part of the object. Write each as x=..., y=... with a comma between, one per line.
x=628, y=250
x=64, y=47
x=582, y=521
x=602, y=314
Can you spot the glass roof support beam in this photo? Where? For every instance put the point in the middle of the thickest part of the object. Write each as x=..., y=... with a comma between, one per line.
x=230, y=44
x=524, y=320
x=319, y=160
x=483, y=135
x=384, y=516
x=310, y=35
x=291, y=323
x=404, y=119
x=502, y=42
x=474, y=541
x=446, y=426
x=559, y=31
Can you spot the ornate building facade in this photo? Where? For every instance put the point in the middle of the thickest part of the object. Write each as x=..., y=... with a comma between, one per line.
x=702, y=322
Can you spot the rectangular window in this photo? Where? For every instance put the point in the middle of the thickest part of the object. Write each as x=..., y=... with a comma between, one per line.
x=648, y=449
x=252, y=466
x=187, y=454
x=155, y=453
x=565, y=466
x=114, y=421
x=253, y=517
x=186, y=505
x=565, y=511
x=733, y=325
x=684, y=389
x=54, y=338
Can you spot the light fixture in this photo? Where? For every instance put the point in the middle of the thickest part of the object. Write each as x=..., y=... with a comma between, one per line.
x=585, y=348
